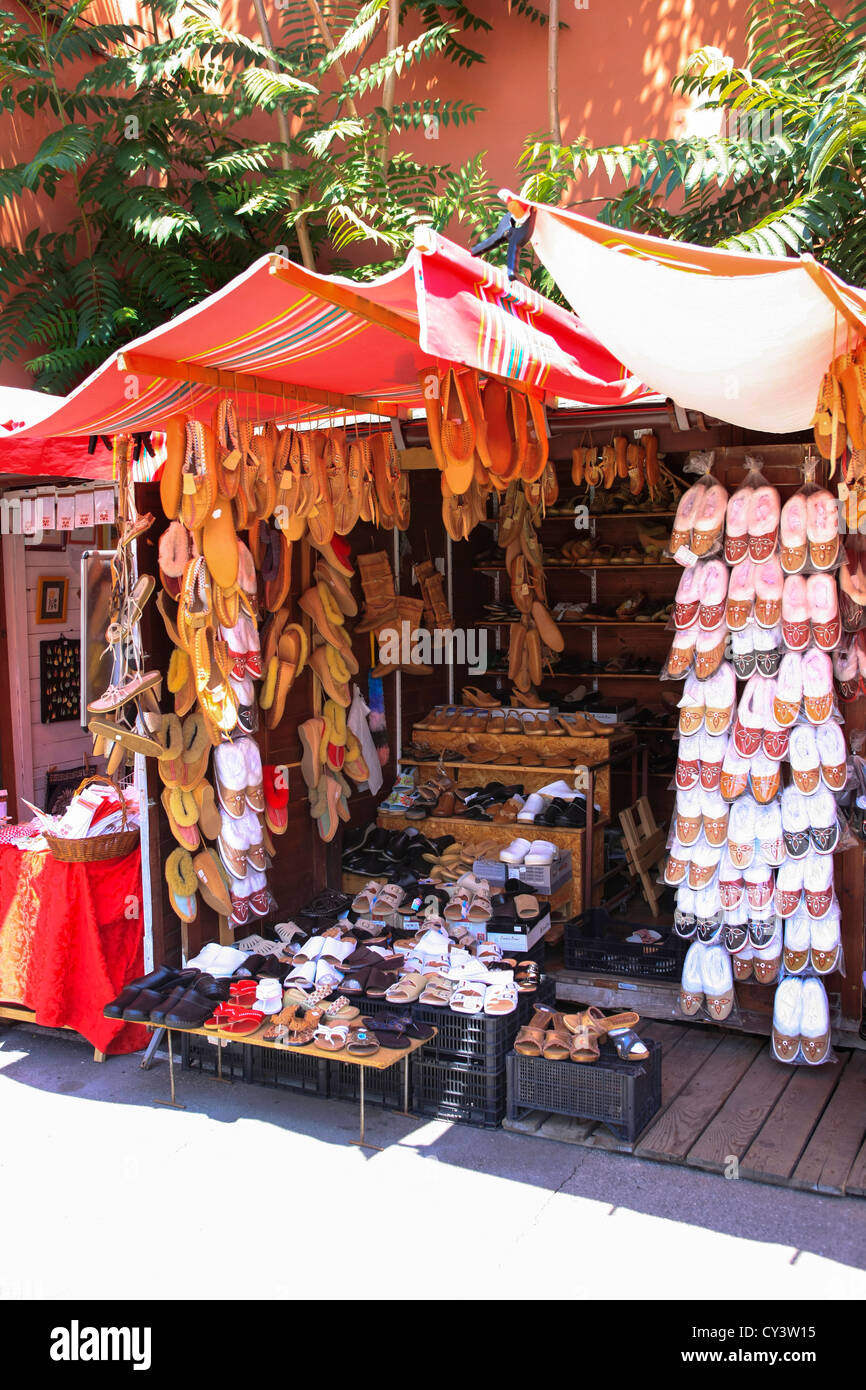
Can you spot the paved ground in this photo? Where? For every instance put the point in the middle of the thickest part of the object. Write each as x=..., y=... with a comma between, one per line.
x=86, y=1157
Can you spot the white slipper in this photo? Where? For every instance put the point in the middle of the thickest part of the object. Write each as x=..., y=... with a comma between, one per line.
x=542, y=852
x=469, y=998
x=815, y=1023
x=501, y=998
x=787, y=1013
x=692, y=983
x=531, y=807
x=516, y=851
x=718, y=980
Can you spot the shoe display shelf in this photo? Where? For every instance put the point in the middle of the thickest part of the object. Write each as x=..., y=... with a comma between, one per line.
x=624, y=1096
x=473, y=832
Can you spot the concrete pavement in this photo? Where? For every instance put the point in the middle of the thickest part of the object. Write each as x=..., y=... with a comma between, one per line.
x=86, y=1155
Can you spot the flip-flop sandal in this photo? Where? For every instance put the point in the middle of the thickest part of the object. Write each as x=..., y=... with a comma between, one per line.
x=362, y=1043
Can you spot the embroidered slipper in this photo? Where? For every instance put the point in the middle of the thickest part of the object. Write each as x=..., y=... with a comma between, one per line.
x=768, y=833
x=692, y=983
x=793, y=535
x=720, y=695
x=687, y=601
x=710, y=651
x=737, y=526
x=735, y=774
x=714, y=815
x=677, y=863
x=766, y=778
x=818, y=884
x=682, y=652
x=768, y=649
x=731, y=882
x=712, y=749
x=789, y=689
x=769, y=586
x=787, y=1010
x=688, y=815
x=704, y=864
x=713, y=594
x=817, y=686
x=823, y=603
x=795, y=822
x=789, y=887
x=824, y=827
x=826, y=943
x=741, y=832
x=798, y=939
x=230, y=774
x=795, y=613
x=691, y=706
x=718, y=981
x=743, y=654
x=815, y=1023
x=822, y=528
x=750, y=717
x=775, y=738
x=688, y=773
x=764, y=517
x=681, y=534
x=804, y=759
x=833, y=753
x=710, y=518
x=741, y=596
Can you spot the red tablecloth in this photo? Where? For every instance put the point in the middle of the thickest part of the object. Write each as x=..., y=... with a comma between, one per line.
x=70, y=939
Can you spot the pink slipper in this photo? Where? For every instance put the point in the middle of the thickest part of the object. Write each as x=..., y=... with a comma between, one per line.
x=795, y=613
x=682, y=651
x=710, y=518
x=768, y=833
x=713, y=749
x=750, y=718
x=766, y=778
x=769, y=583
x=735, y=774
x=720, y=696
x=792, y=531
x=789, y=689
x=817, y=686
x=789, y=887
x=688, y=815
x=714, y=812
x=818, y=884
x=805, y=762
x=691, y=706
x=685, y=518
x=821, y=595
x=764, y=515
x=822, y=528
x=737, y=526
x=731, y=883
x=687, y=602
x=689, y=762
x=741, y=832
x=710, y=651
x=833, y=754
x=741, y=596
x=714, y=592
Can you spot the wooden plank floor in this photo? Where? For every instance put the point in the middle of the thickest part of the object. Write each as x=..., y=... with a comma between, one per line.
x=729, y=1107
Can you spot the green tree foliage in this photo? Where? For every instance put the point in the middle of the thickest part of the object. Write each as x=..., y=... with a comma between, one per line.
x=785, y=174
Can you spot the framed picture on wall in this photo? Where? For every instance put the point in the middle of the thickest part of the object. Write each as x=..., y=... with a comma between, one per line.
x=52, y=595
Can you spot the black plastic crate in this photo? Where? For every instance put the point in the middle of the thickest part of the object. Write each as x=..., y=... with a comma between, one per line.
x=596, y=941
x=484, y=1039
x=622, y=1095
x=458, y=1091
x=198, y=1053
x=289, y=1068
x=385, y=1088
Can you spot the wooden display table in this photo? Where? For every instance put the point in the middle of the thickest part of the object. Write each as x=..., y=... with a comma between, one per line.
x=380, y=1061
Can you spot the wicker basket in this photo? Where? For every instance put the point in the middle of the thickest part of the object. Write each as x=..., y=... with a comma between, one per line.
x=92, y=848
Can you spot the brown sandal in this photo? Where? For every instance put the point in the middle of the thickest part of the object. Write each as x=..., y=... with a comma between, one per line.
x=557, y=1043
x=530, y=1040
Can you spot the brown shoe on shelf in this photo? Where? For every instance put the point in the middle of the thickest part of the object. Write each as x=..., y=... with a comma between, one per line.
x=479, y=699
x=528, y=699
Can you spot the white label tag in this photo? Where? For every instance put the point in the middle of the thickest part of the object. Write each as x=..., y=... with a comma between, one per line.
x=685, y=557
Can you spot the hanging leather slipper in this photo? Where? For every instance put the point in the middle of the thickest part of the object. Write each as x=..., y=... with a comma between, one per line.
x=182, y=884
x=186, y=832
